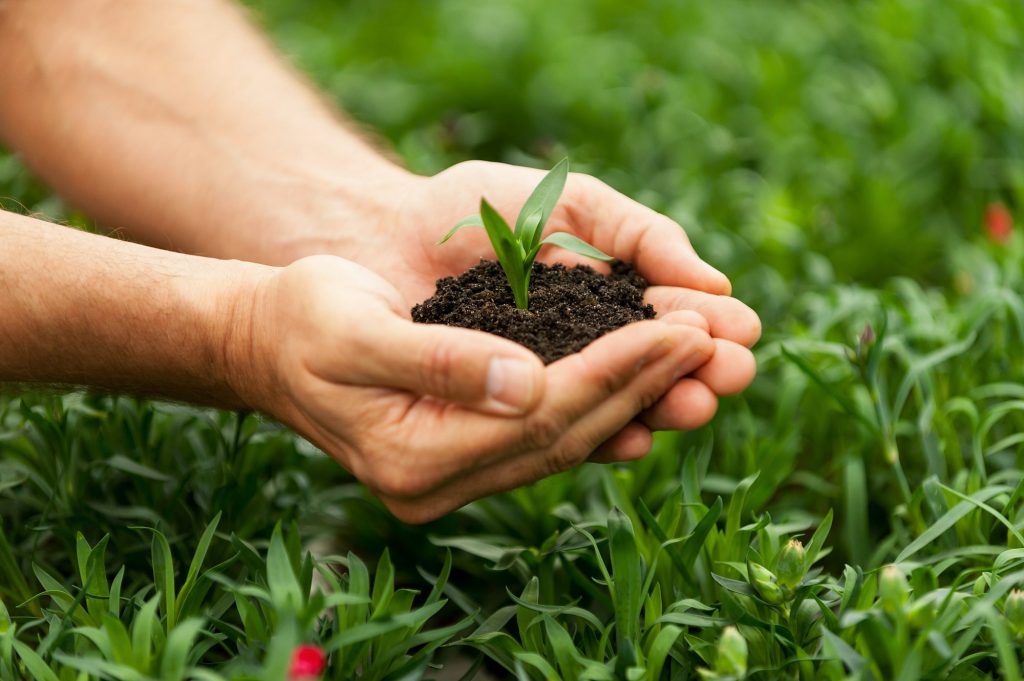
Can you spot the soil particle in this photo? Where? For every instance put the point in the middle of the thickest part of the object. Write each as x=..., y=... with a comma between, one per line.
x=569, y=307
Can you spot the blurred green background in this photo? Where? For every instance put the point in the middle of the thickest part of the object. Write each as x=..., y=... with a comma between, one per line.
x=872, y=133
x=837, y=159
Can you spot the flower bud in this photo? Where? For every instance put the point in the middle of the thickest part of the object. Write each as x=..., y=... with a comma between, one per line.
x=1013, y=610
x=893, y=589
x=980, y=586
x=732, y=653
x=790, y=568
x=998, y=223
x=764, y=582
x=867, y=336
x=922, y=613
x=308, y=662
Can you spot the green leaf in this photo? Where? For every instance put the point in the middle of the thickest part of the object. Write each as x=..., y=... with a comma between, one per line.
x=179, y=643
x=120, y=644
x=562, y=645
x=531, y=226
x=469, y=221
x=818, y=540
x=571, y=242
x=838, y=648
x=281, y=579
x=33, y=663
x=101, y=669
x=142, y=633
x=848, y=406
x=949, y=519
x=508, y=251
x=626, y=567
x=541, y=203
x=114, y=599
x=163, y=573
x=540, y=664
x=383, y=585
x=525, y=615
x=693, y=544
x=569, y=610
x=442, y=579
x=659, y=650
x=93, y=573
x=197, y=563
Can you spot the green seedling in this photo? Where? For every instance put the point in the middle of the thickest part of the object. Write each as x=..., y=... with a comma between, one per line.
x=517, y=249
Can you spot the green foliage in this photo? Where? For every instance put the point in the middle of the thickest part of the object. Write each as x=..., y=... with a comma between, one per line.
x=834, y=159
x=249, y=626
x=517, y=249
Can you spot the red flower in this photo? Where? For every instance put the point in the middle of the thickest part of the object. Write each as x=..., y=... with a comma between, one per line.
x=307, y=663
x=998, y=223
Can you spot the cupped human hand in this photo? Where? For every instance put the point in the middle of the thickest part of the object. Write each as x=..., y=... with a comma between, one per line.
x=401, y=245
x=431, y=417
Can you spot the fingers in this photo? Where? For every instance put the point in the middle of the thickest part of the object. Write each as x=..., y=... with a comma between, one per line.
x=657, y=246
x=631, y=443
x=730, y=370
x=463, y=366
x=587, y=380
x=727, y=317
x=597, y=421
x=690, y=404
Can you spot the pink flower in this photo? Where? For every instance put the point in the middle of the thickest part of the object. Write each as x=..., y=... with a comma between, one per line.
x=998, y=223
x=308, y=662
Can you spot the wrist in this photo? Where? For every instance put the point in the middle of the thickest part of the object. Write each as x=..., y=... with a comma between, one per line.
x=241, y=337
x=341, y=214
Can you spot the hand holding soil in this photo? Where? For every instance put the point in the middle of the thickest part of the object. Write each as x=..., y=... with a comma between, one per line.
x=432, y=417
x=268, y=174
x=402, y=248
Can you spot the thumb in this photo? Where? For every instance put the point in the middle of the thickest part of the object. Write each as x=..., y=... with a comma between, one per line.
x=468, y=367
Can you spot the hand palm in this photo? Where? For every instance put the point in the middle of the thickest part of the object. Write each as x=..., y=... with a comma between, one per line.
x=404, y=251
x=409, y=255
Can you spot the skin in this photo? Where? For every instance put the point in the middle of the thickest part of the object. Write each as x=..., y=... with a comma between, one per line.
x=230, y=154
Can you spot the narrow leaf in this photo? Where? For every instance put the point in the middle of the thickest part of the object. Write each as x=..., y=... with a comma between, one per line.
x=575, y=244
x=469, y=221
x=542, y=201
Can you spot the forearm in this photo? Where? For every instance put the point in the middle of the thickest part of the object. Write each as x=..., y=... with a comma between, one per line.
x=81, y=309
x=175, y=122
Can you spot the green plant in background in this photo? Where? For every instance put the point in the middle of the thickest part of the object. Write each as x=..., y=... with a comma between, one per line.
x=252, y=626
x=857, y=514
x=517, y=249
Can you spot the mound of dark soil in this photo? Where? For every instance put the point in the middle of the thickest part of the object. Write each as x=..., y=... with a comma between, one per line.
x=569, y=308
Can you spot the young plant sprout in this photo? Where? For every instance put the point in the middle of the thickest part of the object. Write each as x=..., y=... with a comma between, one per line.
x=517, y=249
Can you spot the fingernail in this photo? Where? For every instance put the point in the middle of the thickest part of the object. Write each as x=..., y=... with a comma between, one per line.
x=510, y=383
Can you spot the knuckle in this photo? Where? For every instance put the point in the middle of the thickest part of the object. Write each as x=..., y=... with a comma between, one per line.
x=566, y=455
x=585, y=194
x=588, y=182
x=696, y=341
x=646, y=400
x=561, y=459
x=605, y=378
x=412, y=514
x=438, y=368
x=542, y=430
x=401, y=481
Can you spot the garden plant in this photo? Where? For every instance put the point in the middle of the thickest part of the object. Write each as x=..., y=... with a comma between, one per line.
x=516, y=249
x=858, y=513
x=576, y=306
